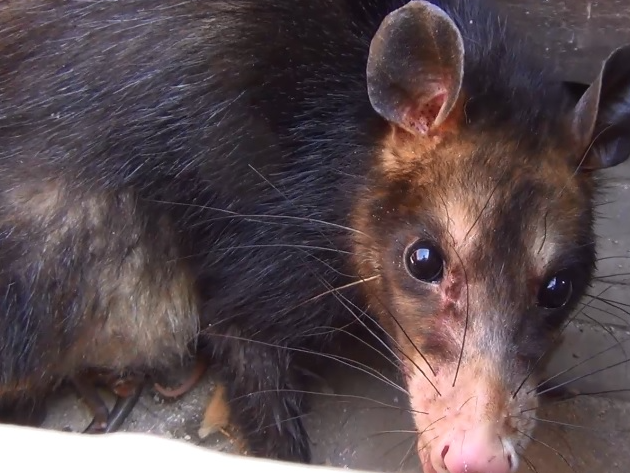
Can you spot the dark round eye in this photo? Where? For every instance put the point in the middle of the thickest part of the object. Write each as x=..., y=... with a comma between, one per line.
x=424, y=262
x=556, y=291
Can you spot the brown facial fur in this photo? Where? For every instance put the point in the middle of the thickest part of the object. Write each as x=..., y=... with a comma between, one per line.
x=505, y=216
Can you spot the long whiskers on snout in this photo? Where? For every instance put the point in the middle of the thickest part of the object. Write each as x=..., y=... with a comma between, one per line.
x=554, y=450
x=342, y=360
x=351, y=307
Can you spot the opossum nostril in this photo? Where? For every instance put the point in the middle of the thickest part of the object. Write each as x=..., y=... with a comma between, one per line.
x=444, y=451
x=510, y=462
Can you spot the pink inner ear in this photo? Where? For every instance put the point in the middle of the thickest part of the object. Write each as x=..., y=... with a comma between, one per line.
x=422, y=117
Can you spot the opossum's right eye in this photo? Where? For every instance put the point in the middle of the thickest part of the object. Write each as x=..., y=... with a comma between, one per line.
x=556, y=291
x=425, y=262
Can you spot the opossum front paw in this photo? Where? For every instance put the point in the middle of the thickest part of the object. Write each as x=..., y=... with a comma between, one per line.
x=127, y=389
x=283, y=445
x=259, y=423
x=264, y=407
x=249, y=428
x=216, y=417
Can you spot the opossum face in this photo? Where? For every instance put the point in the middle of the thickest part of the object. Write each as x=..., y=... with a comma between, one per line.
x=481, y=237
x=481, y=261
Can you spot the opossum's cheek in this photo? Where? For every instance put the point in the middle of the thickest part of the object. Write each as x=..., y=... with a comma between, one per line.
x=476, y=426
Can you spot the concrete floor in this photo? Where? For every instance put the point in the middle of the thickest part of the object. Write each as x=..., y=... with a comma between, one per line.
x=353, y=433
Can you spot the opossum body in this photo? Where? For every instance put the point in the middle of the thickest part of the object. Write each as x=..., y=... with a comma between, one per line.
x=176, y=168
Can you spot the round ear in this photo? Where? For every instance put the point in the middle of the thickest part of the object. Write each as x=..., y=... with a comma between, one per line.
x=601, y=118
x=415, y=67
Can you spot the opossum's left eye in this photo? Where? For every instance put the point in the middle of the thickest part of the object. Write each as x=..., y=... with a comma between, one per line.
x=425, y=262
x=556, y=291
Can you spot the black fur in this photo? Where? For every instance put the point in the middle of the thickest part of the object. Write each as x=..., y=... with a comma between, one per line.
x=213, y=117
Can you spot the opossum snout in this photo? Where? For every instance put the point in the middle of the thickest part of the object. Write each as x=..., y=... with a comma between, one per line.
x=477, y=425
x=480, y=450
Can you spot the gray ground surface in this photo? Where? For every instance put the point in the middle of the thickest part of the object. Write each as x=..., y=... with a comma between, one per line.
x=351, y=433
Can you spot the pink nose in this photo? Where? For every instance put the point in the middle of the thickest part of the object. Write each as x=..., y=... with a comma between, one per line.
x=477, y=451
